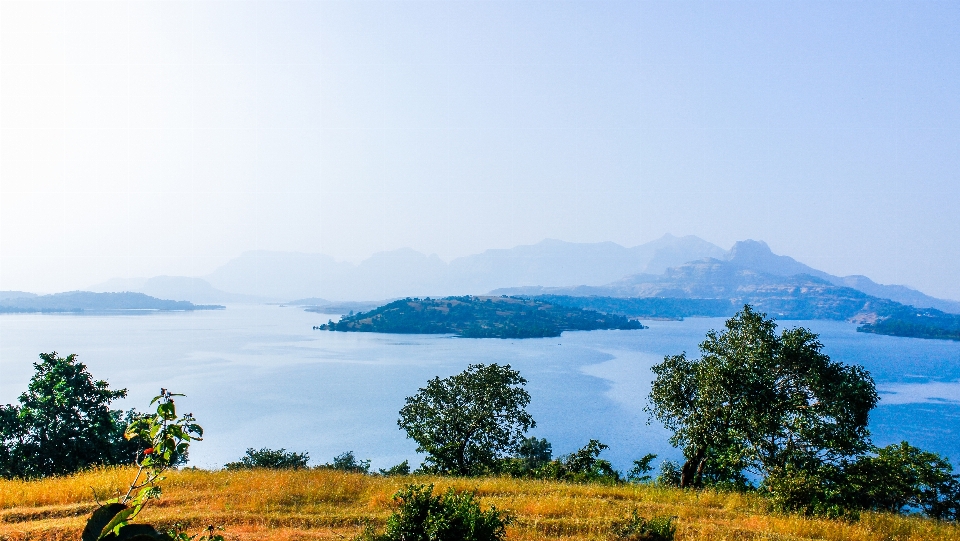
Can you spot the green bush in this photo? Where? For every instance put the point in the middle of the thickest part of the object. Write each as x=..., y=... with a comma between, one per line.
x=583, y=466
x=402, y=468
x=669, y=475
x=637, y=528
x=347, y=462
x=531, y=455
x=454, y=516
x=279, y=459
x=897, y=478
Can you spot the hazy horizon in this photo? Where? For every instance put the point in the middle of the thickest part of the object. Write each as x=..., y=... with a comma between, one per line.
x=140, y=139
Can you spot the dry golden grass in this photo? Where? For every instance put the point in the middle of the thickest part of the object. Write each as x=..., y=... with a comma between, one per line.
x=324, y=504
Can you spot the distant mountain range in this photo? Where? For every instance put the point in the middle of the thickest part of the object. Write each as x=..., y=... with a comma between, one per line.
x=749, y=272
x=86, y=301
x=681, y=267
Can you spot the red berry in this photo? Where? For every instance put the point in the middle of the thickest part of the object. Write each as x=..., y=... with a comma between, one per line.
x=148, y=451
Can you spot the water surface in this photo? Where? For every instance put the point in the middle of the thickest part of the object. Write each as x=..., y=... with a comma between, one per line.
x=259, y=376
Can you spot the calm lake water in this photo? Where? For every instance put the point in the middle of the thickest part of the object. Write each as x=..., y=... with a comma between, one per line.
x=259, y=376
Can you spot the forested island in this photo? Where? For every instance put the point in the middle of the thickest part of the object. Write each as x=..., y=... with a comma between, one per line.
x=479, y=317
x=913, y=323
x=875, y=315
x=86, y=301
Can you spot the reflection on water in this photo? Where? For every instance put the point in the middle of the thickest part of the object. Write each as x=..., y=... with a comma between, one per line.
x=259, y=376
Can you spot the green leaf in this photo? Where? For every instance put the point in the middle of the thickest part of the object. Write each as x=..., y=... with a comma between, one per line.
x=119, y=520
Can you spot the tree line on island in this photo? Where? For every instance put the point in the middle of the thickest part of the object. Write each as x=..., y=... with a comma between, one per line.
x=759, y=410
x=479, y=317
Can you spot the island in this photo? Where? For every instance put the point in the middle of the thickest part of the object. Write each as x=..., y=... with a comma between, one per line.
x=86, y=302
x=910, y=322
x=479, y=317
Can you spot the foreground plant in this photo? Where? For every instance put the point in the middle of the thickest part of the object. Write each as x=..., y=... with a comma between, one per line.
x=168, y=438
x=453, y=516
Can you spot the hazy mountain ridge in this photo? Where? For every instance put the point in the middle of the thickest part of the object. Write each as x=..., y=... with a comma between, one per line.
x=751, y=272
x=79, y=301
x=281, y=276
x=174, y=287
x=548, y=267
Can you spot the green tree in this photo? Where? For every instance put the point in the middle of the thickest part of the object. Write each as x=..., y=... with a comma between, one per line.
x=900, y=477
x=760, y=401
x=582, y=466
x=63, y=423
x=466, y=422
x=279, y=459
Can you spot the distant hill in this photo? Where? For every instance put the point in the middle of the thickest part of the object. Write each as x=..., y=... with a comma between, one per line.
x=405, y=272
x=4, y=295
x=195, y=290
x=757, y=256
x=547, y=267
x=86, y=301
x=478, y=317
x=750, y=272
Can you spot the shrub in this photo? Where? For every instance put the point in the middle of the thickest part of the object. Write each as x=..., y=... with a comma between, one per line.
x=347, y=462
x=583, y=466
x=637, y=528
x=281, y=459
x=669, y=474
x=532, y=454
x=454, y=516
x=402, y=468
x=897, y=478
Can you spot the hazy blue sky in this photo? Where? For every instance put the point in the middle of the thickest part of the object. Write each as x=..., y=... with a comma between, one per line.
x=144, y=138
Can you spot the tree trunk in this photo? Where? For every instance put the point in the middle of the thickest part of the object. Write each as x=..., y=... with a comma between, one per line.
x=692, y=469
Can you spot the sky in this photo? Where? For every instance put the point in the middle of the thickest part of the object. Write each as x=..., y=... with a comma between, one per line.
x=148, y=138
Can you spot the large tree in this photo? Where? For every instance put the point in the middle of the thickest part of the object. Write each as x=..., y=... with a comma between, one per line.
x=760, y=401
x=63, y=423
x=464, y=423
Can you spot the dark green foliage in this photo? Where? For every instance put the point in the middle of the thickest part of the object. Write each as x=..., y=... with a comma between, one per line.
x=99, y=519
x=453, y=516
x=478, y=317
x=279, y=459
x=637, y=528
x=646, y=307
x=402, y=468
x=669, y=475
x=466, y=422
x=530, y=456
x=63, y=423
x=901, y=477
x=897, y=478
x=347, y=462
x=917, y=323
x=640, y=473
x=760, y=401
x=583, y=466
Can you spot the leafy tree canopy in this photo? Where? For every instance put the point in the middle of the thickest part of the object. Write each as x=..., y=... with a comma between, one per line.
x=760, y=401
x=466, y=422
x=275, y=459
x=63, y=423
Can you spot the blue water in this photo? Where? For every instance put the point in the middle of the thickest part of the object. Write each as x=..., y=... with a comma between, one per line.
x=259, y=376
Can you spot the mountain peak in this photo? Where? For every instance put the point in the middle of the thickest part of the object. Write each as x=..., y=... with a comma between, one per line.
x=747, y=250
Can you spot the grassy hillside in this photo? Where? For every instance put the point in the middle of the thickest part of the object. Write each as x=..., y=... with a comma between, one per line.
x=325, y=504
